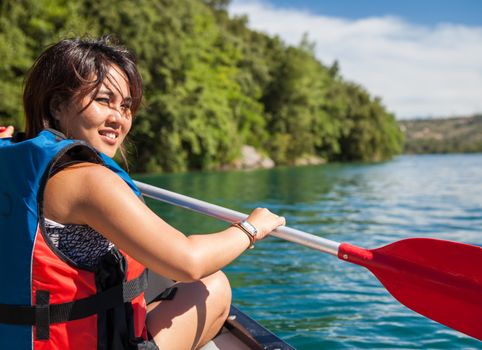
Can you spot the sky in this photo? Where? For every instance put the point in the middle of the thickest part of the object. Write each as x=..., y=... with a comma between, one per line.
x=423, y=58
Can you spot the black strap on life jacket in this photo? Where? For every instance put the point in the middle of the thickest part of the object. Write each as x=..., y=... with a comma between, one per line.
x=43, y=314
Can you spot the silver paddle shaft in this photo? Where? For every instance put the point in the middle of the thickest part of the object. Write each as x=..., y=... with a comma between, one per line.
x=289, y=234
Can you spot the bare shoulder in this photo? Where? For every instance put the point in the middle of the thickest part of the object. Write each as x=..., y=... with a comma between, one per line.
x=83, y=177
x=76, y=186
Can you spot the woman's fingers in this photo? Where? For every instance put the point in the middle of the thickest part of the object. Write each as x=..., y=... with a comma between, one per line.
x=265, y=221
x=6, y=131
x=282, y=221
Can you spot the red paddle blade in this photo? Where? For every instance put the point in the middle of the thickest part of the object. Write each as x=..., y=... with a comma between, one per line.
x=439, y=279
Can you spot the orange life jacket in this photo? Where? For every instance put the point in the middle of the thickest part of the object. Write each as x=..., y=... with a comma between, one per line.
x=46, y=300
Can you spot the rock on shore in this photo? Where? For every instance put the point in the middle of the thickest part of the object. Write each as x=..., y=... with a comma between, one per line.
x=252, y=159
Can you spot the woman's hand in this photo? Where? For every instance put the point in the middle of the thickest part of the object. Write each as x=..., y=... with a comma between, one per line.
x=265, y=221
x=6, y=131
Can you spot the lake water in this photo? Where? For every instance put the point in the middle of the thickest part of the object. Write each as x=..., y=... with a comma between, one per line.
x=311, y=299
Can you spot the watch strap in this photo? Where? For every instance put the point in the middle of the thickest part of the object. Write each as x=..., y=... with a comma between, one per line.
x=251, y=236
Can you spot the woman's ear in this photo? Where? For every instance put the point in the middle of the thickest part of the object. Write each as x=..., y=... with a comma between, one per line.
x=55, y=107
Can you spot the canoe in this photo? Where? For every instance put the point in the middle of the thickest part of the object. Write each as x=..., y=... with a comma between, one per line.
x=240, y=332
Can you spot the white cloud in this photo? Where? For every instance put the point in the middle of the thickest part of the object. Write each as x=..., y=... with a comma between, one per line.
x=416, y=70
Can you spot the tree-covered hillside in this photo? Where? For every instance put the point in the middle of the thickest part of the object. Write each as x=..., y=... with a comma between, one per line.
x=450, y=135
x=211, y=84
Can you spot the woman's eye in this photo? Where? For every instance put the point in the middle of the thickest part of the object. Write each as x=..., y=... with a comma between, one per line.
x=126, y=106
x=102, y=100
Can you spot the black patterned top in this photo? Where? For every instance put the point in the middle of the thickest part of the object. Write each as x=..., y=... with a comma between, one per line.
x=80, y=243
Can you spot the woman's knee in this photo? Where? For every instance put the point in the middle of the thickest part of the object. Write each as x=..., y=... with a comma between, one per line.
x=219, y=290
x=196, y=314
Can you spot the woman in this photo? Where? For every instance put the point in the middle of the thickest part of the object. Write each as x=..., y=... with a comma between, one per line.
x=90, y=234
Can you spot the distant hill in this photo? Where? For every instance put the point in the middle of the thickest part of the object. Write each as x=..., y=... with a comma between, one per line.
x=451, y=135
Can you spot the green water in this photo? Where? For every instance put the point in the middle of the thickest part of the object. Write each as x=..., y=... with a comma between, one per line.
x=310, y=299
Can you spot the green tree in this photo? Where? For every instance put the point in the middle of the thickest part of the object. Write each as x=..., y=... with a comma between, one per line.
x=211, y=84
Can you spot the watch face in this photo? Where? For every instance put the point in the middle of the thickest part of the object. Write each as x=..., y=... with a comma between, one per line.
x=248, y=227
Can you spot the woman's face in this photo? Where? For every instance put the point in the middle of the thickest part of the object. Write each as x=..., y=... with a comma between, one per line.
x=102, y=120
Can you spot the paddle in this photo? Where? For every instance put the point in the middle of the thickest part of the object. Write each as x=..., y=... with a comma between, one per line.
x=439, y=279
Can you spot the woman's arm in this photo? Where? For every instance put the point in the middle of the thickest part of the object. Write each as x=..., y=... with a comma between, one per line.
x=93, y=195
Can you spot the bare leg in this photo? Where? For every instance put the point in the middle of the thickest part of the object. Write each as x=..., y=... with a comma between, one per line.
x=194, y=316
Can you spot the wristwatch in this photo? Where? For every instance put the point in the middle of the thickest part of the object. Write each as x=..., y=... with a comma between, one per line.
x=249, y=230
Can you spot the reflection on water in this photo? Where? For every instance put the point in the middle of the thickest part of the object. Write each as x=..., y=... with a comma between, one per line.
x=311, y=299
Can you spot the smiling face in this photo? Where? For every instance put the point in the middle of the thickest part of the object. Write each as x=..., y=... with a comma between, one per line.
x=102, y=118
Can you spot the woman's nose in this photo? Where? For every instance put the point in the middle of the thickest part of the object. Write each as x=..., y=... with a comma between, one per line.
x=115, y=113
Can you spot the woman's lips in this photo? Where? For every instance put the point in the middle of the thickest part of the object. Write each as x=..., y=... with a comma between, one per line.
x=109, y=137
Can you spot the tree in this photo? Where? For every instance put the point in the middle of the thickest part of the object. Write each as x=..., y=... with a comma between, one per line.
x=211, y=84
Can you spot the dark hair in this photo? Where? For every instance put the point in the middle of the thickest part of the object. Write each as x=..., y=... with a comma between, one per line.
x=72, y=68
